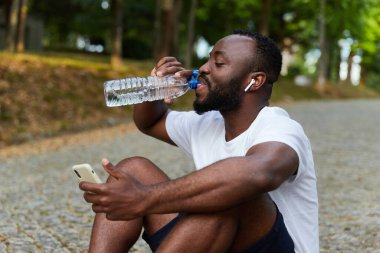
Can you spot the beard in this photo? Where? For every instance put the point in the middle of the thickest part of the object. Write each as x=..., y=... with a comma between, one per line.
x=223, y=97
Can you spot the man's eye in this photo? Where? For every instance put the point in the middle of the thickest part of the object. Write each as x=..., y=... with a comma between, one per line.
x=218, y=64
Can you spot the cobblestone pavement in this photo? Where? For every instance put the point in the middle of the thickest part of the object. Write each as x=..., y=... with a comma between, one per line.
x=42, y=209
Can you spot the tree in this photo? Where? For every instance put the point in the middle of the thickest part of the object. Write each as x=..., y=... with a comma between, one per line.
x=22, y=15
x=190, y=34
x=323, y=60
x=368, y=44
x=157, y=29
x=165, y=33
x=10, y=41
x=117, y=31
x=265, y=14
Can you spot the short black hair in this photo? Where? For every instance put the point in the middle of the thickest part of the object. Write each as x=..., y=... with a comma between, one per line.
x=267, y=56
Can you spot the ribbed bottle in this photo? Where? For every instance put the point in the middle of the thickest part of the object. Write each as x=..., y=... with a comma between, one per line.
x=136, y=90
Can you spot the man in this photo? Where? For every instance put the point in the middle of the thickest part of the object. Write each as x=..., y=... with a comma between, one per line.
x=254, y=189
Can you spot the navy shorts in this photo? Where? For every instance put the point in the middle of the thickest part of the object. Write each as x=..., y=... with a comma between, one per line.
x=277, y=240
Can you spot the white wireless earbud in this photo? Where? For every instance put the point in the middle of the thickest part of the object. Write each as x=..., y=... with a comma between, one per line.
x=249, y=85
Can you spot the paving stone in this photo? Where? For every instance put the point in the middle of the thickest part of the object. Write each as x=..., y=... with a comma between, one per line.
x=25, y=248
x=3, y=248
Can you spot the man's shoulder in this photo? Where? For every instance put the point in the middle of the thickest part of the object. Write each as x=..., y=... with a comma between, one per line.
x=275, y=122
x=276, y=117
x=193, y=116
x=274, y=111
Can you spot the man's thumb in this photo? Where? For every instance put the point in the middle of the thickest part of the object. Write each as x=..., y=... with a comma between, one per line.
x=108, y=166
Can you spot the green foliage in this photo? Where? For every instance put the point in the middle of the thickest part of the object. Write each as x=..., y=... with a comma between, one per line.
x=138, y=29
x=373, y=81
x=66, y=20
x=58, y=17
x=295, y=20
x=293, y=24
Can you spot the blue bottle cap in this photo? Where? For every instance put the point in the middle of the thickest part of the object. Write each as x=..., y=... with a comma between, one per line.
x=193, y=79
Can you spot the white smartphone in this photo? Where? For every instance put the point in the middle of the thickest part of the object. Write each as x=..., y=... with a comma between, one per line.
x=84, y=172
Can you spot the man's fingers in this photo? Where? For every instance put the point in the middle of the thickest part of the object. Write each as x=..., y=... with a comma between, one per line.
x=165, y=60
x=91, y=197
x=168, y=101
x=107, y=164
x=91, y=187
x=183, y=73
x=167, y=70
x=109, y=168
x=153, y=72
x=99, y=209
x=166, y=66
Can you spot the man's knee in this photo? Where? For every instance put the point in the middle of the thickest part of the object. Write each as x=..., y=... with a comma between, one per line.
x=142, y=169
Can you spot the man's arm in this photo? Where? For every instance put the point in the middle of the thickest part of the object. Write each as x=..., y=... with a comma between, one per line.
x=220, y=186
x=150, y=117
x=226, y=183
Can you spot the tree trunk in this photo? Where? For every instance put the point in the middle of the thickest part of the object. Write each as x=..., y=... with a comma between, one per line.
x=23, y=13
x=157, y=31
x=167, y=28
x=190, y=34
x=323, y=60
x=349, y=67
x=174, y=51
x=117, y=33
x=7, y=12
x=363, y=75
x=10, y=40
x=265, y=14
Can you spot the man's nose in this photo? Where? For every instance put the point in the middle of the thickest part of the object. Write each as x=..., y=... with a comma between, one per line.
x=204, y=69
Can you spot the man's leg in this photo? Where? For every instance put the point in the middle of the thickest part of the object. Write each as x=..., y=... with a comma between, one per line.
x=119, y=236
x=229, y=231
x=233, y=230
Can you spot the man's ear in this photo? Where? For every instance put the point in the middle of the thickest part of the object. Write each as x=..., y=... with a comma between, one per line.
x=252, y=82
x=257, y=80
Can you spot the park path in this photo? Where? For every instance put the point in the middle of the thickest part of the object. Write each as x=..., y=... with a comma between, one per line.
x=42, y=209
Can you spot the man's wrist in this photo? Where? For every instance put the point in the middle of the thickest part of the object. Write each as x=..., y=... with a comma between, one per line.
x=148, y=200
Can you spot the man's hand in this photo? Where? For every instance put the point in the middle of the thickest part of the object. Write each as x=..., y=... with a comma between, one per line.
x=170, y=66
x=150, y=117
x=167, y=66
x=120, y=198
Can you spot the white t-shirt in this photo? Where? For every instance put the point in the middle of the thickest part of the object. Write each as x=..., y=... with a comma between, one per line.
x=202, y=137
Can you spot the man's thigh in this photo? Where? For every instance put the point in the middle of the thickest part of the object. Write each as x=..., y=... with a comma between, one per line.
x=233, y=230
x=258, y=236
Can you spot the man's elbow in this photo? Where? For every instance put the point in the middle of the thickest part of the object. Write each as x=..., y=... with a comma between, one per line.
x=143, y=127
x=268, y=182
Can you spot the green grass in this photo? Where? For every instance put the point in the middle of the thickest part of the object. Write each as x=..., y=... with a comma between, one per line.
x=285, y=89
x=80, y=60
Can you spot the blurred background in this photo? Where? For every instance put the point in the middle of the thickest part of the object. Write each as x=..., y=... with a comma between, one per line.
x=55, y=55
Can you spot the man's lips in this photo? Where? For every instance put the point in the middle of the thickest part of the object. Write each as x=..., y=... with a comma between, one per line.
x=203, y=82
x=201, y=85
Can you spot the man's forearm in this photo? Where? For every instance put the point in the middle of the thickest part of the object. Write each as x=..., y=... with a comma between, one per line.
x=215, y=188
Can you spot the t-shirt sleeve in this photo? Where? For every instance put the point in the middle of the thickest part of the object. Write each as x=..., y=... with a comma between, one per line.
x=178, y=127
x=290, y=133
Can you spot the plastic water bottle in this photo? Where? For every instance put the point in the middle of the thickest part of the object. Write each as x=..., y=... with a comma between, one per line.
x=136, y=90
